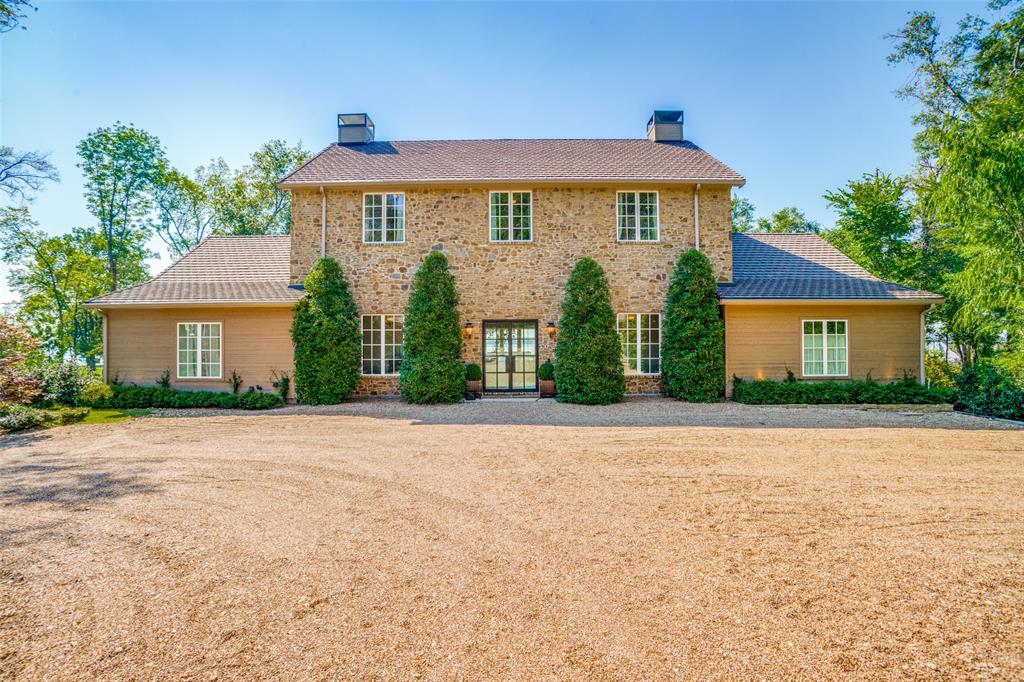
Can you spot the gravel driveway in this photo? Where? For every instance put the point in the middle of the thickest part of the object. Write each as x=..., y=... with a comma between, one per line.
x=515, y=541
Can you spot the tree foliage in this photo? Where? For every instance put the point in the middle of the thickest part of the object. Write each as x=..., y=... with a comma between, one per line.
x=693, y=333
x=184, y=214
x=17, y=386
x=325, y=332
x=785, y=220
x=742, y=212
x=12, y=12
x=431, y=370
x=121, y=165
x=588, y=354
x=22, y=173
x=248, y=201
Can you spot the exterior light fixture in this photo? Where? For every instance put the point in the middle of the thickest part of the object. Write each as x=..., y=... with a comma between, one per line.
x=552, y=329
x=467, y=329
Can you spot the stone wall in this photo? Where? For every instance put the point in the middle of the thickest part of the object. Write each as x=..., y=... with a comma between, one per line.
x=510, y=280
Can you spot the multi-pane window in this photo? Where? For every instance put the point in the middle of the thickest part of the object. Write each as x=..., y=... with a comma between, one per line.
x=511, y=216
x=382, y=343
x=384, y=218
x=199, y=350
x=825, y=348
x=637, y=216
x=640, y=336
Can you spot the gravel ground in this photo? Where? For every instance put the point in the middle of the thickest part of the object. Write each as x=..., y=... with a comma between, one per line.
x=515, y=540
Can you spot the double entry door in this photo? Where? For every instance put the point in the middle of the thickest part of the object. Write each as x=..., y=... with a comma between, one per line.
x=510, y=355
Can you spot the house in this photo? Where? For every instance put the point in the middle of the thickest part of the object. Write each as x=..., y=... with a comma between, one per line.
x=513, y=216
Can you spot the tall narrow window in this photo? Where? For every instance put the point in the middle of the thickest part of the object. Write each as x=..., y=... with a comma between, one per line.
x=199, y=350
x=637, y=216
x=384, y=218
x=640, y=336
x=511, y=216
x=825, y=348
x=382, y=343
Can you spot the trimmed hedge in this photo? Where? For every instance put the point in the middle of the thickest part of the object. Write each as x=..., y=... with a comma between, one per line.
x=431, y=370
x=127, y=397
x=904, y=391
x=588, y=355
x=693, y=333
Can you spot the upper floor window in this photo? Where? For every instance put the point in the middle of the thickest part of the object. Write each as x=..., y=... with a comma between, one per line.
x=384, y=218
x=382, y=343
x=511, y=216
x=825, y=348
x=637, y=216
x=640, y=336
x=199, y=350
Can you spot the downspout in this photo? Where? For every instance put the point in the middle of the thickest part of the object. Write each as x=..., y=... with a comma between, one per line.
x=323, y=222
x=924, y=342
x=696, y=216
x=106, y=355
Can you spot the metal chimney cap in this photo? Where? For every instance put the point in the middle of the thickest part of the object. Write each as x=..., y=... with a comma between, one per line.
x=665, y=125
x=355, y=129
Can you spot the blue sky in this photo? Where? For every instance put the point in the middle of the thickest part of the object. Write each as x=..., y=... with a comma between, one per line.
x=796, y=96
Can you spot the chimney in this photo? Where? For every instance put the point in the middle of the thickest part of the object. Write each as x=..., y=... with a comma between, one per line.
x=355, y=129
x=665, y=126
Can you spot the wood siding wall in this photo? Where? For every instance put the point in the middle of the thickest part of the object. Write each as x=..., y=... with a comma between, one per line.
x=762, y=341
x=255, y=342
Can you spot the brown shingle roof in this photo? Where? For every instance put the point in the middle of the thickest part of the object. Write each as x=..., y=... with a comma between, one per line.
x=512, y=161
x=251, y=269
x=804, y=266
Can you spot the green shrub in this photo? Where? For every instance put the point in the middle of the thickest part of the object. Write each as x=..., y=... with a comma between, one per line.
x=431, y=371
x=473, y=372
x=19, y=418
x=282, y=382
x=236, y=381
x=70, y=415
x=128, y=397
x=164, y=380
x=983, y=389
x=940, y=373
x=588, y=355
x=94, y=392
x=904, y=391
x=325, y=331
x=62, y=382
x=546, y=372
x=693, y=341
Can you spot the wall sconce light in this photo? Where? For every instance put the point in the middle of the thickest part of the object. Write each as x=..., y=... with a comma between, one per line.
x=467, y=329
x=552, y=329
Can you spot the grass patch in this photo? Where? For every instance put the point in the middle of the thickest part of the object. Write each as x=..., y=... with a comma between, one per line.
x=109, y=416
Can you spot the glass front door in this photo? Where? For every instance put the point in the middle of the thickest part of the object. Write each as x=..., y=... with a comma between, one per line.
x=510, y=356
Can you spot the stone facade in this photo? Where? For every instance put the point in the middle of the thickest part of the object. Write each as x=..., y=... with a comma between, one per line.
x=510, y=281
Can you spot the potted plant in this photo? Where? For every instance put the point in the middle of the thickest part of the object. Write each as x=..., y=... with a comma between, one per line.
x=474, y=383
x=546, y=377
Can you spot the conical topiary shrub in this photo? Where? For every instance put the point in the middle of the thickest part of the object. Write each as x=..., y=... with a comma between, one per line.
x=588, y=355
x=325, y=331
x=431, y=369
x=693, y=334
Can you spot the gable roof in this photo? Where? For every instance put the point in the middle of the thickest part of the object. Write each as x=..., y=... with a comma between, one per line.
x=804, y=266
x=460, y=161
x=238, y=270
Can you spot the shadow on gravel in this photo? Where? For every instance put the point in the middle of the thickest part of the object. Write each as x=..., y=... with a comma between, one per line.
x=68, y=485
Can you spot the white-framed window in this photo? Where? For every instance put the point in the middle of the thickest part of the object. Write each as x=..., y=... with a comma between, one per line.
x=199, y=350
x=382, y=343
x=640, y=336
x=511, y=216
x=636, y=216
x=384, y=218
x=825, y=348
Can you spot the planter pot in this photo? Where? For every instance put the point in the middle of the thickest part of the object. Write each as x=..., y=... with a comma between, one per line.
x=475, y=387
x=547, y=388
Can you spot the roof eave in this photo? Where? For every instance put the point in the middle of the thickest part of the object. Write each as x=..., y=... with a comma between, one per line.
x=108, y=305
x=536, y=182
x=831, y=301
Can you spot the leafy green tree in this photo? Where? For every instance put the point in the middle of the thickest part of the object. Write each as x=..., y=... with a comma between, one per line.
x=588, y=354
x=121, y=165
x=742, y=214
x=12, y=12
x=22, y=173
x=789, y=219
x=325, y=332
x=431, y=370
x=54, y=276
x=184, y=214
x=693, y=333
x=876, y=226
x=248, y=201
